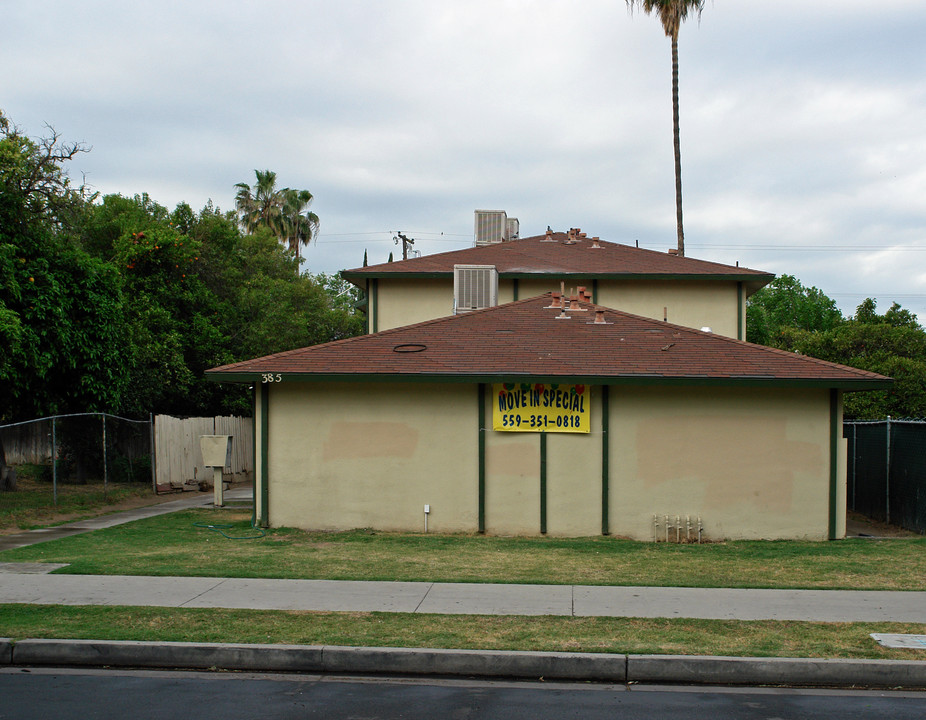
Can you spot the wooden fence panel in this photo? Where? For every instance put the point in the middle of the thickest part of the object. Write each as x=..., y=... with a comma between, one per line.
x=28, y=444
x=178, y=459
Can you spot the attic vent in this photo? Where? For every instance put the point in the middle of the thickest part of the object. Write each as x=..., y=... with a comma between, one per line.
x=474, y=287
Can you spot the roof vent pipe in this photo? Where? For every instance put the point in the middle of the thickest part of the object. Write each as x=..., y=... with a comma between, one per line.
x=549, y=236
x=556, y=301
x=574, y=304
x=596, y=244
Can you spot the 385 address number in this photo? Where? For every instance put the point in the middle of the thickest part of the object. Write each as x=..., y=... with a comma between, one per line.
x=271, y=377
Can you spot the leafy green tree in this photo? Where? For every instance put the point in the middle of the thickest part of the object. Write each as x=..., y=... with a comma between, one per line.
x=672, y=13
x=62, y=318
x=892, y=344
x=786, y=303
x=61, y=313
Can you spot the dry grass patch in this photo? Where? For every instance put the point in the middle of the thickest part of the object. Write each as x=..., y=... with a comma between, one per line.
x=545, y=633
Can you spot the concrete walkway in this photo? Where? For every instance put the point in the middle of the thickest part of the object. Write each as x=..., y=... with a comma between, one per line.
x=183, y=502
x=462, y=598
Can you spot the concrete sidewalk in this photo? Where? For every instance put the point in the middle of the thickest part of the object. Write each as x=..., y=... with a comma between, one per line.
x=461, y=598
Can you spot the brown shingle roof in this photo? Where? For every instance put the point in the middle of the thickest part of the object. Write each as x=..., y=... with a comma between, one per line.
x=525, y=339
x=531, y=256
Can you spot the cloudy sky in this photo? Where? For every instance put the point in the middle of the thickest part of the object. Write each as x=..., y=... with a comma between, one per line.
x=803, y=124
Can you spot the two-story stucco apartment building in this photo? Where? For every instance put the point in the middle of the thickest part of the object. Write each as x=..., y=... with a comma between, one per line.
x=483, y=400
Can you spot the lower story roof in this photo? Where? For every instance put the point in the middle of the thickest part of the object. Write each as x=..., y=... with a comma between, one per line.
x=539, y=339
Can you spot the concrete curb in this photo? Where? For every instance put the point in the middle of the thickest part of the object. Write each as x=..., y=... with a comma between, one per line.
x=695, y=669
x=600, y=667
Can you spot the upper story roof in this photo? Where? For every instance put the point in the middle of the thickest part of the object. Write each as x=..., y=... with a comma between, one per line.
x=565, y=255
x=531, y=339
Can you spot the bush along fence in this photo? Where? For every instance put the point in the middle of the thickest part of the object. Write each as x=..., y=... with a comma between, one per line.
x=81, y=448
x=78, y=448
x=886, y=471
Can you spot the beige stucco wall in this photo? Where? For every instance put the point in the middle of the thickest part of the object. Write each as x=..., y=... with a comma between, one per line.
x=405, y=302
x=750, y=463
x=689, y=303
x=344, y=455
x=574, y=478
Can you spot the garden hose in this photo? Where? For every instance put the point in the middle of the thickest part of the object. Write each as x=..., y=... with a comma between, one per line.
x=222, y=528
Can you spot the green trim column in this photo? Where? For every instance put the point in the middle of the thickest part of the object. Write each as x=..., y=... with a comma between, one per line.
x=595, y=291
x=264, y=459
x=374, y=301
x=543, y=483
x=514, y=289
x=740, y=301
x=835, y=433
x=255, y=413
x=481, y=432
x=605, y=471
x=369, y=313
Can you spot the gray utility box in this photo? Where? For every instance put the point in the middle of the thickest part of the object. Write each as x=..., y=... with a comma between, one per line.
x=216, y=451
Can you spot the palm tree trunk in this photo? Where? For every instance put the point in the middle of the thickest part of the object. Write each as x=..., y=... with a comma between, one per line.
x=678, y=147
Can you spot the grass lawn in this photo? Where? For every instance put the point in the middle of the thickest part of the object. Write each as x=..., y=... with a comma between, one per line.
x=173, y=545
x=488, y=632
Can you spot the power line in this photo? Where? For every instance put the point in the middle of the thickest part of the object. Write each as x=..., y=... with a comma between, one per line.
x=819, y=248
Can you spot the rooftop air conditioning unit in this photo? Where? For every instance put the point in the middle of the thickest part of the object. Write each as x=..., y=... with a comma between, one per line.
x=474, y=287
x=494, y=226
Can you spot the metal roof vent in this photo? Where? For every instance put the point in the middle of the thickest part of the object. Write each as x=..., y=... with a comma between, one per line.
x=474, y=287
x=494, y=226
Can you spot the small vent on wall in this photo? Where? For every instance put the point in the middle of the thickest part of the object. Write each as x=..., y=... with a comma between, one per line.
x=474, y=287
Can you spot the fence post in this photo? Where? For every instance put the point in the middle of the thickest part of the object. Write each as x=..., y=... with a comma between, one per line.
x=854, y=463
x=887, y=471
x=154, y=470
x=105, y=473
x=54, y=463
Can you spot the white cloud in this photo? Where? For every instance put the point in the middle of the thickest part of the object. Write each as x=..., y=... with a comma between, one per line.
x=801, y=124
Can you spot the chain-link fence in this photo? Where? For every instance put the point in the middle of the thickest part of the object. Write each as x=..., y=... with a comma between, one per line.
x=887, y=471
x=70, y=453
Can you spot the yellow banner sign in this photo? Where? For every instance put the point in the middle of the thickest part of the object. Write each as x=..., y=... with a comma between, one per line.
x=536, y=407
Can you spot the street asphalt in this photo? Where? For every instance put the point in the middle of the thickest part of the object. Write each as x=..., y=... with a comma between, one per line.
x=32, y=583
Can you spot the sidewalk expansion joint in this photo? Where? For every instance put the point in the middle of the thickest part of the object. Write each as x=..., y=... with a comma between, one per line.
x=207, y=590
x=423, y=598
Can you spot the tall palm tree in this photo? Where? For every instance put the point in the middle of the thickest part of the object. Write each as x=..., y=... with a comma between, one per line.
x=672, y=13
x=262, y=206
x=300, y=226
